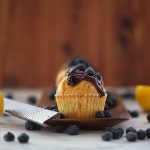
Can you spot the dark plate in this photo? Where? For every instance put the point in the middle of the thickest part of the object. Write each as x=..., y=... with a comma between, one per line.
x=119, y=114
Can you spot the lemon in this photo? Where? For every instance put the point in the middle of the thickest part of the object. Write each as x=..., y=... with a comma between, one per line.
x=1, y=103
x=142, y=95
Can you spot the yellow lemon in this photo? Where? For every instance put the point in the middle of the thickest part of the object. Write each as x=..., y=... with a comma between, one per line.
x=142, y=95
x=1, y=103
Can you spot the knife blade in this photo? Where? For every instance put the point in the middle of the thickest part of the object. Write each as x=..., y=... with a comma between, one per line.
x=28, y=112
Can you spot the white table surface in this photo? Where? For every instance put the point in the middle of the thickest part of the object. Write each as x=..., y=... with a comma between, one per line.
x=46, y=139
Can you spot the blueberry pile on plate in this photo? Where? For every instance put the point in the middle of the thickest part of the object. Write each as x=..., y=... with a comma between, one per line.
x=111, y=102
x=70, y=130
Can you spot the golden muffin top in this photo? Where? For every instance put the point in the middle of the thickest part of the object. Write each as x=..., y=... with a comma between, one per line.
x=81, y=80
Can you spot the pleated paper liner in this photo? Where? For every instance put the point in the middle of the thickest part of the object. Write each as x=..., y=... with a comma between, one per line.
x=119, y=114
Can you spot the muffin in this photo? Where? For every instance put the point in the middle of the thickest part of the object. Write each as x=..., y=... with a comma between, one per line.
x=70, y=63
x=80, y=94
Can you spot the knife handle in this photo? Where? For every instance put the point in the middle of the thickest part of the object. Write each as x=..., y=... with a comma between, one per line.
x=1, y=103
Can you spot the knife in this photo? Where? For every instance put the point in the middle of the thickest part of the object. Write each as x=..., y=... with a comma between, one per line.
x=26, y=112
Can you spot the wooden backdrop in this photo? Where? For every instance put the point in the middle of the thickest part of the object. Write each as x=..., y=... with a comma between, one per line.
x=37, y=36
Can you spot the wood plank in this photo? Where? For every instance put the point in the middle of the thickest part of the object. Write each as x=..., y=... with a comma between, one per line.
x=121, y=49
x=36, y=37
x=145, y=45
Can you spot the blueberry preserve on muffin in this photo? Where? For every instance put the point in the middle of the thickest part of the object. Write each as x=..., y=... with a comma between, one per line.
x=70, y=63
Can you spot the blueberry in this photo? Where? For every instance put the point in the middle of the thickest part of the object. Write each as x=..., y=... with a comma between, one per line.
x=117, y=133
x=111, y=100
x=9, y=95
x=32, y=100
x=131, y=136
x=23, y=138
x=107, y=113
x=77, y=68
x=32, y=126
x=141, y=134
x=52, y=93
x=106, y=107
x=148, y=117
x=148, y=132
x=78, y=71
x=81, y=67
x=90, y=71
x=114, y=99
x=107, y=129
x=134, y=113
x=72, y=130
x=9, y=137
x=72, y=81
x=107, y=136
x=59, y=129
x=130, y=129
x=99, y=114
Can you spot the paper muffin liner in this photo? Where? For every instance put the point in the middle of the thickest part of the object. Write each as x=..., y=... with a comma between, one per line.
x=80, y=106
